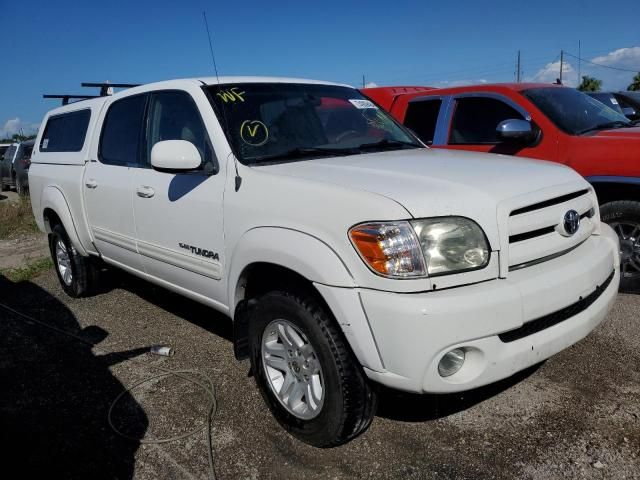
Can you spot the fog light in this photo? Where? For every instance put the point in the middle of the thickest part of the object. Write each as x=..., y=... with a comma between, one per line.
x=451, y=362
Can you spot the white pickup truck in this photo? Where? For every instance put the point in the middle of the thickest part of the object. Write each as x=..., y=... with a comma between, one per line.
x=347, y=253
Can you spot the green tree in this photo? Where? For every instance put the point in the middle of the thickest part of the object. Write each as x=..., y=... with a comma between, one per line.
x=590, y=84
x=635, y=84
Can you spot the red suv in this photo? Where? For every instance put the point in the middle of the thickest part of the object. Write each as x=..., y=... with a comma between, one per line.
x=548, y=122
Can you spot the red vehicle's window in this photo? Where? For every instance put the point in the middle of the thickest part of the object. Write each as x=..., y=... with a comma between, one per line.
x=422, y=118
x=476, y=118
x=574, y=112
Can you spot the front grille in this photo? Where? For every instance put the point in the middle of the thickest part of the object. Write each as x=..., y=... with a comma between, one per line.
x=543, y=231
x=556, y=317
x=549, y=203
x=534, y=232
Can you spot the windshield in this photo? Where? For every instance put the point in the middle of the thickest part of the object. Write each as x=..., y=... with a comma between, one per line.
x=608, y=99
x=271, y=122
x=573, y=111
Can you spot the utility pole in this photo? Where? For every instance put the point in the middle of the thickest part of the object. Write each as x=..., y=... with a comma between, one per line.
x=518, y=68
x=579, y=61
x=363, y=81
x=561, y=62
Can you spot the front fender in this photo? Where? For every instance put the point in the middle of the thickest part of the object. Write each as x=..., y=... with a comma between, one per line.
x=292, y=249
x=315, y=260
x=52, y=198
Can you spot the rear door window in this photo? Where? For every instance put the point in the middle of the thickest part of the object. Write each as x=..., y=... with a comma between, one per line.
x=422, y=118
x=476, y=118
x=122, y=132
x=65, y=132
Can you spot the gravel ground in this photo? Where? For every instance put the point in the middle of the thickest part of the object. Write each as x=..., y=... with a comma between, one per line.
x=576, y=416
x=17, y=252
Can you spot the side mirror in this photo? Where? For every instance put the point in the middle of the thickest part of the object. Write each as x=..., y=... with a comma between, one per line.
x=516, y=130
x=175, y=155
x=629, y=112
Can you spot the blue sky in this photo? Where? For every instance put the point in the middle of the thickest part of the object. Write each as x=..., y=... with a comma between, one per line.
x=52, y=46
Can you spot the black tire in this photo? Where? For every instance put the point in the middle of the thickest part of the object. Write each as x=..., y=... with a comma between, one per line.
x=349, y=401
x=624, y=217
x=84, y=271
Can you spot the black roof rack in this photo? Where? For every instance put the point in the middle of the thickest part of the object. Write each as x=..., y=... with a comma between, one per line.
x=104, y=86
x=104, y=91
x=66, y=98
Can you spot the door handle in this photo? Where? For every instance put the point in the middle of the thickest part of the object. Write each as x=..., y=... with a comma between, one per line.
x=91, y=183
x=145, y=192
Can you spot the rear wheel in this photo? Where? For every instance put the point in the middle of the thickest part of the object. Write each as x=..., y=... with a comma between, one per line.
x=624, y=218
x=78, y=275
x=306, y=372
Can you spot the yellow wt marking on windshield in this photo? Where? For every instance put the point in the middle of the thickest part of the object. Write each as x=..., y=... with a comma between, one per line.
x=231, y=95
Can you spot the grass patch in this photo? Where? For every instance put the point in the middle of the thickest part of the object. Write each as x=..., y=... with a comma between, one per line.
x=16, y=218
x=31, y=270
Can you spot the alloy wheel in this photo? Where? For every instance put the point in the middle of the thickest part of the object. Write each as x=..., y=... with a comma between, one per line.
x=292, y=369
x=629, y=234
x=63, y=262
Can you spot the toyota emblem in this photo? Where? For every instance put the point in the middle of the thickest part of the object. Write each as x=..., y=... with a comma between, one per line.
x=571, y=222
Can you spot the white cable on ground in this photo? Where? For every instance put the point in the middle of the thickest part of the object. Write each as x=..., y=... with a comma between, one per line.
x=190, y=375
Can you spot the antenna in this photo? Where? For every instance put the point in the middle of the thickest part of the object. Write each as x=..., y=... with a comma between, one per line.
x=224, y=110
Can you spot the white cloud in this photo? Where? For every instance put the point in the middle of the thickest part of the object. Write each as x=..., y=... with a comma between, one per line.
x=15, y=125
x=622, y=58
x=626, y=58
x=370, y=85
x=551, y=71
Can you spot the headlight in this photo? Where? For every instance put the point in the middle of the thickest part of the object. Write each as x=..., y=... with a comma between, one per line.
x=451, y=244
x=390, y=249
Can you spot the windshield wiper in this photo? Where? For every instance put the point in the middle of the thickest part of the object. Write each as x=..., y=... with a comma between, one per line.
x=386, y=143
x=304, y=152
x=603, y=126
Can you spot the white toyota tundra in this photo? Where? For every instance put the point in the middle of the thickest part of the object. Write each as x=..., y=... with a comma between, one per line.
x=347, y=253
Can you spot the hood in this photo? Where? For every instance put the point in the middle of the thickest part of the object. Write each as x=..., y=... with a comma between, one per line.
x=435, y=182
x=631, y=133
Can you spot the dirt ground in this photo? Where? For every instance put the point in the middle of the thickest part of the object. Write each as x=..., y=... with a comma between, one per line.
x=16, y=252
x=576, y=416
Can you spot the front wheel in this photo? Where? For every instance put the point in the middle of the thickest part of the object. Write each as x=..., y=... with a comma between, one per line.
x=624, y=218
x=78, y=275
x=306, y=372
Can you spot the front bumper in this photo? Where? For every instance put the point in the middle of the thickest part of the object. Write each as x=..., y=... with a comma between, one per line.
x=412, y=332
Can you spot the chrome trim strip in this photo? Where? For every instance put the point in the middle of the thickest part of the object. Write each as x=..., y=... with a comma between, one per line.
x=116, y=239
x=545, y=259
x=190, y=263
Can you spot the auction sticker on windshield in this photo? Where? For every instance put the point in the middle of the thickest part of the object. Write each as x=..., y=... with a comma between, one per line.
x=363, y=104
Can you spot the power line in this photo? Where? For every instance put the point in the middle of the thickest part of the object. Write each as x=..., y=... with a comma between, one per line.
x=601, y=65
